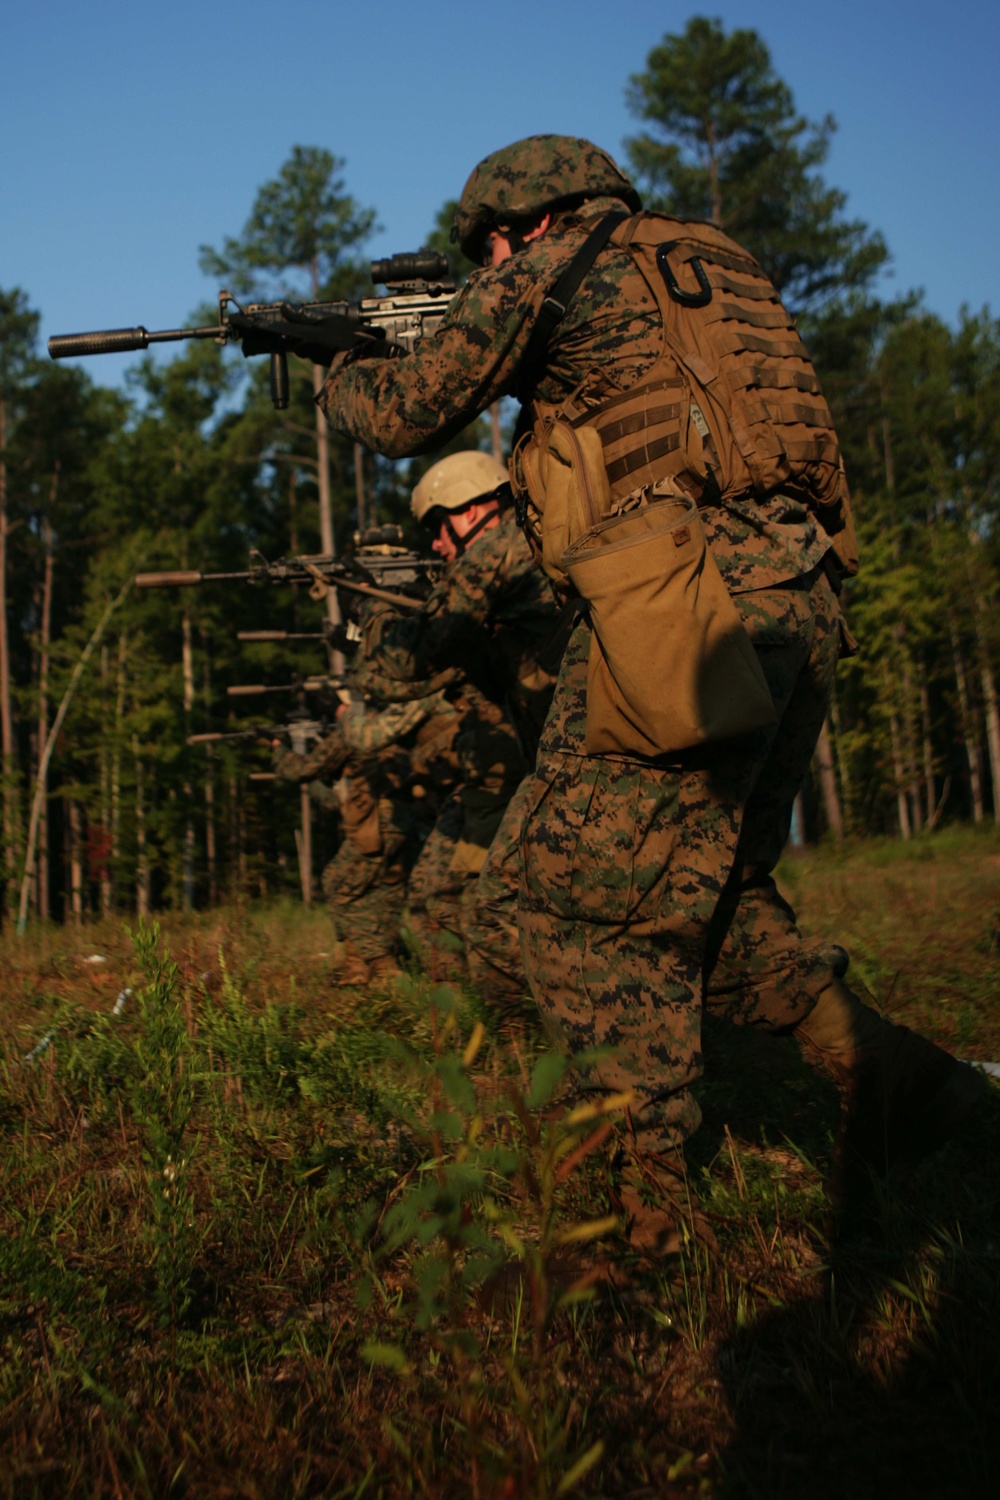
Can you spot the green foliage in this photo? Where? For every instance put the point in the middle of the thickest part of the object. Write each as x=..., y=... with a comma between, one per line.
x=489, y=1223
x=730, y=147
x=294, y=1295
x=301, y=221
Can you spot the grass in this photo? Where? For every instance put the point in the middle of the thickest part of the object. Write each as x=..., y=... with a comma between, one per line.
x=260, y=1237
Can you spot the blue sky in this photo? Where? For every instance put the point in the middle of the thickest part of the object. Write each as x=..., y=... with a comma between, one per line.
x=134, y=132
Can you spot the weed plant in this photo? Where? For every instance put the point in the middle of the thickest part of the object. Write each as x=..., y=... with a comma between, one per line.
x=261, y=1237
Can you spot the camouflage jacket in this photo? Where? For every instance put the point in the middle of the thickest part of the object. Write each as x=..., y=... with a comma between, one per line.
x=481, y=632
x=610, y=336
x=385, y=747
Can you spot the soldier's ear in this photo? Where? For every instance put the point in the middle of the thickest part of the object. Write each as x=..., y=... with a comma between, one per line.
x=540, y=228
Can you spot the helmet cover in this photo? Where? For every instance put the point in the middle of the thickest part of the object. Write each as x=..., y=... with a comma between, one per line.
x=533, y=175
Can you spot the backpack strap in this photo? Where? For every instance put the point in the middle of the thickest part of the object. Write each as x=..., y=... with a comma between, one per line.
x=553, y=309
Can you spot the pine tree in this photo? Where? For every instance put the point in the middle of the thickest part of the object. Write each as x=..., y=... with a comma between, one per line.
x=727, y=144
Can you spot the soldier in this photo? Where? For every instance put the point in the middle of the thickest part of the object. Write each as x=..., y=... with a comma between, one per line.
x=646, y=884
x=481, y=633
x=374, y=760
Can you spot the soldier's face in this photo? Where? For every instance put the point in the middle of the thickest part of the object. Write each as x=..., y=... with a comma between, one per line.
x=497, y=246
x=462, y=522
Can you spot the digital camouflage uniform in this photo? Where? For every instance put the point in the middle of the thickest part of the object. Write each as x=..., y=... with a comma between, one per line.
x=480, y=632
x=646, y=885
x=375, y=758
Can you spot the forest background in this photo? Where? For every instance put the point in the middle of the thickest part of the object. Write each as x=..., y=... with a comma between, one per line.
x=185, y=464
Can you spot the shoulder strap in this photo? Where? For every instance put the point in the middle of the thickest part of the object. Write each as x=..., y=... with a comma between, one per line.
x=554, y=307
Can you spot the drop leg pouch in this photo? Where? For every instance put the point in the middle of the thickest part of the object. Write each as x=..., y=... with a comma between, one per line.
x=671, y=665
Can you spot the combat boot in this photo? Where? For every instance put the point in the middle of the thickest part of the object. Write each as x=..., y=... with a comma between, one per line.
x=384, y=969
x=659, y=1215
x=903, y=1097
x=352, y=971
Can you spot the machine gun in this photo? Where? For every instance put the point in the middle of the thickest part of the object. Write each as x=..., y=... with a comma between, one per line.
x=380, y=558
x=418, y=291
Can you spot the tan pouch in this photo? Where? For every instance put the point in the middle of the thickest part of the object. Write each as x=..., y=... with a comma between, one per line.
x=468, y=858
x=671, y=665
x=560, y=470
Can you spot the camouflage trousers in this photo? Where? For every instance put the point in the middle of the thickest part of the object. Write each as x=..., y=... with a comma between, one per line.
x=366, y=891
x=647, y=890
x=462, y=903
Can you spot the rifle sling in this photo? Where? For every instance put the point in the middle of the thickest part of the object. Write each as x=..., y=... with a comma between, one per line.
x=553, y=309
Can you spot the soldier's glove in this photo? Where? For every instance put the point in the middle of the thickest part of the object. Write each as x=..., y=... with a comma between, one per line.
x=296, y=331
x=345, y=638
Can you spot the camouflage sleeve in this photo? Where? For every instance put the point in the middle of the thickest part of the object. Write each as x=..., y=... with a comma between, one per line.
x=386, y=667
x=365, y=731
x=327, y=758
x=418, y=648
x=404, y=406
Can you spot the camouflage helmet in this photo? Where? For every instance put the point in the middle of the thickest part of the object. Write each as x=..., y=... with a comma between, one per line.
x=523, y=180
x=457, y=481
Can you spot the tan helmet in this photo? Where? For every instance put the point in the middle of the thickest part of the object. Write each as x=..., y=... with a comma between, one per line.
x=457, y=481
x=538, y=173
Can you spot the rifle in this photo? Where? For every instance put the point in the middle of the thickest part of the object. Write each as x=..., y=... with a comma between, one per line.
x=418, y=292
x=365, y=571
x=300, y=730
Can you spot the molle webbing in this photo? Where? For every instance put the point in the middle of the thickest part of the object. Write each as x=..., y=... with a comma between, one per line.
x=733, y=401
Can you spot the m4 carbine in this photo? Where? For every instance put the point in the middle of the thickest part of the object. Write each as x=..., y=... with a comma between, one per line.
x=418, y=291
x=300, y=730
x=380, y=559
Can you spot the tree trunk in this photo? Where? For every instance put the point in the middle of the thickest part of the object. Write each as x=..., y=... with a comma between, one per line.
x=187, y=658
x=234, y=840
x=116, y=768
x=899, y=775
x=992, y=712
x=496, y=438
x=53, y=736
x=910, y=728
x=213, y=885
x=43, y=709
x=930, y=792
x=75, y=861
x=142, y=882
x=210, y=859
x=6, y=716
x=972, y=750
x=326, y=512
x=303, y=843
x=840, y=761
x=828, y=783
x=106, y=751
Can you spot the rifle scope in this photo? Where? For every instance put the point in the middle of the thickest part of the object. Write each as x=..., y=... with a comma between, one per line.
x=421, y=265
